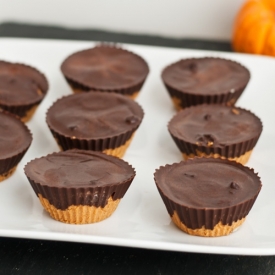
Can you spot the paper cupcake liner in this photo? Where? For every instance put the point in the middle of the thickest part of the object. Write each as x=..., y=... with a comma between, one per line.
x=183, y=99
x=62, y=198
x=24, y=109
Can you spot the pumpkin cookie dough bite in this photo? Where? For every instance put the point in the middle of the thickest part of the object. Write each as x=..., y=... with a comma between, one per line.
x=208, y=80
x=15, y=139
x=215, y=131
x=22, y=88
x=105, y=68
x=97, y=121
x=78, y=186
x=207, y=197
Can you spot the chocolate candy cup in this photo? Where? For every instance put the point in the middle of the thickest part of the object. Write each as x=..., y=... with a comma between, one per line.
x=205, y=80
x=15, y=139
x=95, y=121
x=22, y=88
x=105, y=68
x=78, y=186
x=215, y=131
x=207, y=196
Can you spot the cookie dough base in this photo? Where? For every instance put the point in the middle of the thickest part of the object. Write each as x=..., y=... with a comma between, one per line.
x=217, y=231
x=29, y=114
x=177, y=103
x=132, y=96
x=119, y=151
x=243, y=159
x=80, y=214
x=7, y=174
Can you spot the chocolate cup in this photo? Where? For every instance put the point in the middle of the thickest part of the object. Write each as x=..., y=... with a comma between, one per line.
x=62, y=201
x=22, y=109
x=229, y=151
x=95, y=144
x=6, y=164
x=62, y=197
x=196, y=218
x=128, y=90
x=187, y=98
x=124, y=91
x=99, y=144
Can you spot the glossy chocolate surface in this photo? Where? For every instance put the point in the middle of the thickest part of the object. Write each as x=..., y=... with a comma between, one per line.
x=215, y=125
x=208, y=183
x=20, y=84
x=14, y=136
x=105, y=68
x=79, y=168
x=94, y=115
x=206, y=76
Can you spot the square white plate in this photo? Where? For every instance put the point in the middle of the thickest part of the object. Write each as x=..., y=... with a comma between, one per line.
x=141, y=219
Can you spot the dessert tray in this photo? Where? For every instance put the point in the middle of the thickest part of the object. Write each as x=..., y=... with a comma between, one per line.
x=141, y=219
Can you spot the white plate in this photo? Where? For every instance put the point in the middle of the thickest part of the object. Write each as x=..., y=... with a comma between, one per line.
x=141, y=219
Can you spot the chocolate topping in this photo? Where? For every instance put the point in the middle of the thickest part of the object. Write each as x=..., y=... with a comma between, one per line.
x=94, y=115
x=105, y=68
x=79, y=177
x=206, y=76
x=206, y=184
x=208, y=126
x=15, y=136
x=224, y=189
x=20, y=84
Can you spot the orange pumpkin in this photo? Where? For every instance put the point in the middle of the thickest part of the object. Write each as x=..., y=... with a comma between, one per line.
x=254, y=28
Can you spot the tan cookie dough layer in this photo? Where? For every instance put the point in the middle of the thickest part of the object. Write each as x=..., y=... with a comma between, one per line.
x=29, y=114
x=177, y=103
x=7, y=174
x=243, y=159
x=80, y=214
x=119, y=151
x=217, y=231
x=134, y=95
